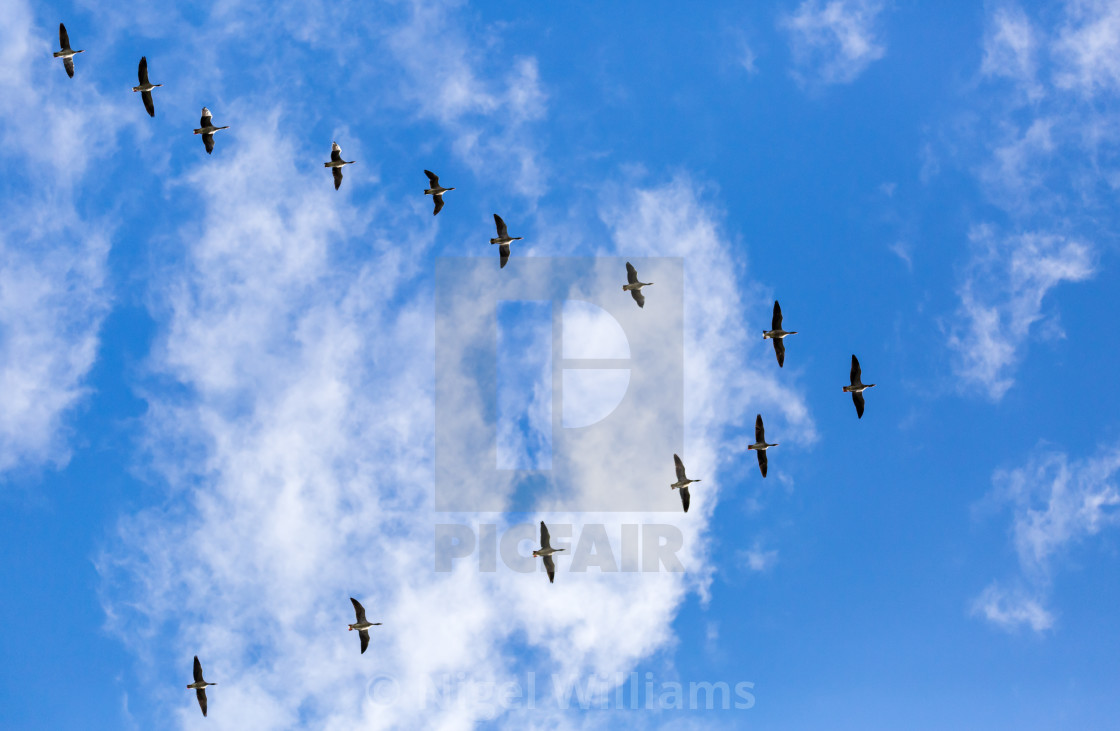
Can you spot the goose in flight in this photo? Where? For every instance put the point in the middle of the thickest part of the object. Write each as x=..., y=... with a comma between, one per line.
x=207, y=130
x=778, y=334
x=199, y=685
x=503, y=239
x=146, y=87
x=362, y=625
x=336, y=163
x=857, y=388
x=760, y=446
x=634, y=286
x=66, y=54
x=435, y=190
x=682, y=482
x=545, y=552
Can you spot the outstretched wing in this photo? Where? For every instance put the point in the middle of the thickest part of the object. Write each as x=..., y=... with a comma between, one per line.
x=638, y=297
x=544, y=536
x=857, y=399
x=502, y=230
x=208, y=140
x=856, y=373
x=776, y=323
x=432, y=178
x=68, y=64
x=197, y=670
x=759, y=430
x=439, y=203
x=364, y=634
x=680, y=468
x=142, y=72
x=631, y=274
x=148, y=103
x=761, y=460
x=359, y=610
x=504, y=251
x=336, y=152
x=63, y=37
x=206, y=117
x=550, y=568
x=201, y=695
x=337, y=177
x=780, y=351
x=685, y=498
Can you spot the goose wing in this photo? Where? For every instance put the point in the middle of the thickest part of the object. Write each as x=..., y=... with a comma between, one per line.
x=149, y=104
x=208, y=140
x=857, y=399
x=337, y=177
x=68, y=64
x=206, y=117
x=63, y=37
x=680, y=468
x=856, y=373
x=776, y=323
x=197, y=670
x=336, y=152
x=201, y=695
x=503, y=232
x=780, y=350
x=685, y=498
x=439, y=203
x=759, y=430
x=142, y=72
x=432, y=178
x=544, y=536
x=761, y=460
x=359, y=610
x=503, y=250
x=550, y=568
x=638, y=297
x=364, y=634
x=631, y=274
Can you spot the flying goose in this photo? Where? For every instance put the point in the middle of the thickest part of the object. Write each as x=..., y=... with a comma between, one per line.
x=682, y=482
x=503, y=239
x=362, y=625
x=199, y=685
x=546, y=551
x=778, y=334
x=857, y=388
x=66, y=54
x=435, y=190
x=336, y=163
x=146, y=87
x=760, y=446
x=207, y=130
x=634, y=286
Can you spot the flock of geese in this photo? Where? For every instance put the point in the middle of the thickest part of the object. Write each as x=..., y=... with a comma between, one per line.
x=633, y=285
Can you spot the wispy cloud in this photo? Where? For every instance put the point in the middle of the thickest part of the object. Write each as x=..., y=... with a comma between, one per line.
x=834, y=42
x=1055, y=504
x=53, y=296
x=1002, y=294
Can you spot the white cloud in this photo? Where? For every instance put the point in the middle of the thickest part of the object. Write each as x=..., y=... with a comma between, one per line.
x=298, y=454
x=759, y=559
x=1001, y=298
x=53, y=132
x=1085, y=48
x=1055, y=505
x=834, y=42
x=1010, y=49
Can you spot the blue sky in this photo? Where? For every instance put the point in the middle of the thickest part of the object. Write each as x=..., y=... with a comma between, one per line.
x=218, y=374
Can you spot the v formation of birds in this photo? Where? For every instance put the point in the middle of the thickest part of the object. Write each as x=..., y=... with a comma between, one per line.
x=633, y=285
